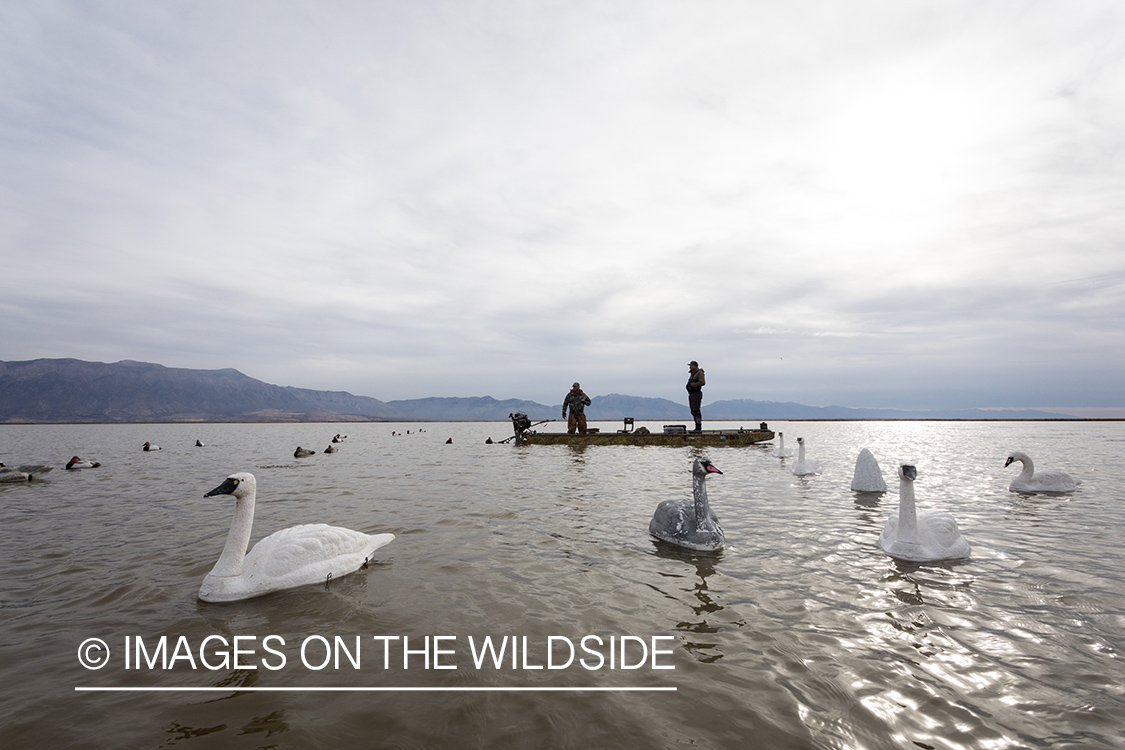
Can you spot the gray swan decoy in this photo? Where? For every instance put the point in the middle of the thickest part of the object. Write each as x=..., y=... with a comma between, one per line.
x=690, y=523
x=296, y=556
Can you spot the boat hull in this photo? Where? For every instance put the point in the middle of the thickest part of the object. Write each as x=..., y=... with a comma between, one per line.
x=730, y=438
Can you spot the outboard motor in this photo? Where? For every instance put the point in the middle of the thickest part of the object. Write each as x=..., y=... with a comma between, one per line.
x=521, y=423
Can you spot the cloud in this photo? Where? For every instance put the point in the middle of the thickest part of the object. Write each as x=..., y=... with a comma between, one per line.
x=879, y=205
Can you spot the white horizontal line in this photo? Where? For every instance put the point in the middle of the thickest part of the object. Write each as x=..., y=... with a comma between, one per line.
x=369, y=689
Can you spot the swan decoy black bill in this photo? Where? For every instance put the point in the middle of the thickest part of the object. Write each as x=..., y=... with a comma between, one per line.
x=226, y=488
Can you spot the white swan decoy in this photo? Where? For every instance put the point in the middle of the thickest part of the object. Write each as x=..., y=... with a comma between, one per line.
x=22, y=473
x=780, y=451
x=78, y=463
x=803, y=465
x=920, y=536
x=690, y=524
x=150, y=447
x=868, y=476
x=296, y=556
x=1044, y=481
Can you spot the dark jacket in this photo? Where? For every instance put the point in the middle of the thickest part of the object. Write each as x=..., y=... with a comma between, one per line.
x=696, y=381
x=576, y=401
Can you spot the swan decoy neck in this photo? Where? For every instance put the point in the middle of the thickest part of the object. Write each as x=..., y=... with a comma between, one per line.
x=700, y=469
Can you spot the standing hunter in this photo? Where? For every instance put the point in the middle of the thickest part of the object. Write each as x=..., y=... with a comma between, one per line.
x=695, y=383
x=577, y=401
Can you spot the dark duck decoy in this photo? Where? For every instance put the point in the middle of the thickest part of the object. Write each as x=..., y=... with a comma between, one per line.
x=23, y=472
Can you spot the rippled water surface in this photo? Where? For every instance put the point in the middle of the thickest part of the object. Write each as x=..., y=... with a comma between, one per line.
x=800, y=634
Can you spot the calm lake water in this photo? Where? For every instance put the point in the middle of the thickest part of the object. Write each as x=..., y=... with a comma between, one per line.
x=800, y=634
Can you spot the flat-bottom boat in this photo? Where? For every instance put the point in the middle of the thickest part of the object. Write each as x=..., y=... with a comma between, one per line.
x=674, y=435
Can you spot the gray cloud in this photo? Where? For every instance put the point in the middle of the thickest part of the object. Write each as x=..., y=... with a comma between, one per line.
x=911, y=205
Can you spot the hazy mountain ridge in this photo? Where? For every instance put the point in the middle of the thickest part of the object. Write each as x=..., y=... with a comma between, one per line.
x=740, y=408
x=71, y=390
x=470, y=409
x=615, y=406
x=486, y=408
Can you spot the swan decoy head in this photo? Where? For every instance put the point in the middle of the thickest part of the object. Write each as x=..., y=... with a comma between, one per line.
x=703, y=467
x=800, y=440
x=906, y=471
x=235, y=484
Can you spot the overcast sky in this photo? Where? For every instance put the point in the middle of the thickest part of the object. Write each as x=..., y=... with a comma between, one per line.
x=880, y=204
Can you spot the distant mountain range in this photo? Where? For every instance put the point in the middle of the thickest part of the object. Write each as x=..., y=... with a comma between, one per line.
x=71, y=390
x=616, y=406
